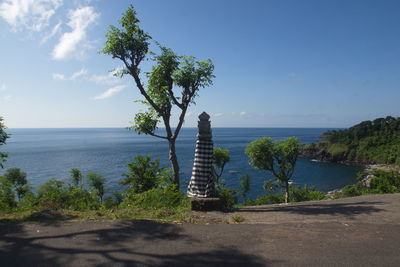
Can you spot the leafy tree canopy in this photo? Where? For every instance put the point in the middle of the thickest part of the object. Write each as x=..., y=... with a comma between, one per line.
x=3, y=138
x=173, y=80
x=276, y=156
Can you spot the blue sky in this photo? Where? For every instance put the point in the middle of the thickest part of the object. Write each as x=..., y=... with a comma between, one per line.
x=277, y=63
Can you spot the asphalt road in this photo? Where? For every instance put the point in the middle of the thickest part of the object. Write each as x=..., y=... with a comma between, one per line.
x=361, y=231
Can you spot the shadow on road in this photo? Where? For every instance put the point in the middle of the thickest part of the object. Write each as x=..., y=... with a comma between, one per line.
x=345, y=209
x=122, y=243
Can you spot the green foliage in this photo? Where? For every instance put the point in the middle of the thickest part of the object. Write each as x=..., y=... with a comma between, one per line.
x=53, y=194
x=383, y=182
x=155, y=198
x=276, y=156
x=145, y=122
x=376, y=141
x=56, y=194
x=7, y=195
x=244, y=185
x=145, y=174
x=131, y=42
x=238, y=218
x=17, y=179
x=173, y=80
x=337, y=149
x=3, y=138
x=96, y=185
x=297, y=194
x=76, y=177
x=220, y=158
x=227, y=198
x=266, y=200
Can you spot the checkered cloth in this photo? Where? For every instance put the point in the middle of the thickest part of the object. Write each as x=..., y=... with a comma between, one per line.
x=202, y=181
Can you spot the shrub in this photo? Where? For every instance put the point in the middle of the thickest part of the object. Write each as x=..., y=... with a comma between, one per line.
x=297, y=194
x=96, y=184
x=304, y=193
x=7, y=195
x=266, y=200
x=238, y=218
x=53, y=194
x=17, y=179
x=145, y=174
x=227, y=197
x=56, y=194
x=156, y=198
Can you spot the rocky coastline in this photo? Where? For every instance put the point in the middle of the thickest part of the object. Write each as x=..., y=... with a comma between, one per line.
x=368, y=175
x=319, y=153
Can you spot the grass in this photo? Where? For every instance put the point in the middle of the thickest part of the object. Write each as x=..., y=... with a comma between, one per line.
x=176, y=215
x=238, y=218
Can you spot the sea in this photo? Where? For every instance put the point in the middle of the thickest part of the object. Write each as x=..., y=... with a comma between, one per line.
x=51, y=153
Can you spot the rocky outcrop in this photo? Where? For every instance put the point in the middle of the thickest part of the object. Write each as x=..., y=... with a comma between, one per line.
x=320, y=153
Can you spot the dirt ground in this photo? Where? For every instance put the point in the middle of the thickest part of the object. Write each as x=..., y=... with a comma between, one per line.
x=360, y=231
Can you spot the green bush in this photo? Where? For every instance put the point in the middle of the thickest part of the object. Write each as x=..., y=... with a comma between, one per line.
x=7, y=195
x=297, y=194
x=145, y=174
x=383, y=183
x=56, y=194
x=53, y=194
x=266, y=200
x=227, y=197
x=305, y=193
x=156, y=198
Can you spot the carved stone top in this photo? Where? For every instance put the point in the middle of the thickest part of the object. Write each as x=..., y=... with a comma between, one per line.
x=204, y=126
x=204, y=116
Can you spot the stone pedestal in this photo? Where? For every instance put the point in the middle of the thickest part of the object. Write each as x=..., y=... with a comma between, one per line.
x=205, y=203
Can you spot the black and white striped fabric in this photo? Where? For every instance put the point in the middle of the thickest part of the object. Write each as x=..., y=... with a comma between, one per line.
x=202, y=181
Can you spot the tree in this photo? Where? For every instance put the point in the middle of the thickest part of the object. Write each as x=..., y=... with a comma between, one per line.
x=220, y=158
x=244, y=184
x=96, y=184
x=3, y=138
x=277, y=156
x=76, y=177
x=169, y=73
x=17, y=179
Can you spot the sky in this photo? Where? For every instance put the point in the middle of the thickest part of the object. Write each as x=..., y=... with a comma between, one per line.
x=282, y=63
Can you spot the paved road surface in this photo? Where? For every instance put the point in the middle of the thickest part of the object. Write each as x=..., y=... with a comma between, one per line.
x=361, y=231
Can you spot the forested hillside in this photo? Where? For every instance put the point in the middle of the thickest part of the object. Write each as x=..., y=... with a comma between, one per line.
x=376, y=141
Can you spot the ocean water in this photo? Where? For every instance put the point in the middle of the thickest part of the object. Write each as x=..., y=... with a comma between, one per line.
x=51, y=153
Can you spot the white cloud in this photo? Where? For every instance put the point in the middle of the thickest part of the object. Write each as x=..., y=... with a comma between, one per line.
x=218, y=114
x=73, y=77
x=242, y=113
x=108, y=79
x=110, y=92
x=74, y=42
x=58, y=76
x=33, y=15
x=78, y=74
x=53, y=32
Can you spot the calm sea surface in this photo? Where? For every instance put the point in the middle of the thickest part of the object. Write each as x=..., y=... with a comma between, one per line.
x=51, y=153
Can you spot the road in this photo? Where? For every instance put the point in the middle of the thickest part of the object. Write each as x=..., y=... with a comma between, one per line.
x=360, y=231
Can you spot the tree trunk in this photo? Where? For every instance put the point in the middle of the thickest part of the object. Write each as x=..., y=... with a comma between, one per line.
x=287, y=192
x=174, y=162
